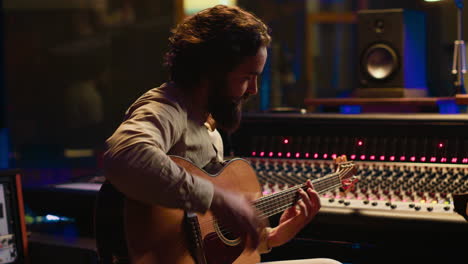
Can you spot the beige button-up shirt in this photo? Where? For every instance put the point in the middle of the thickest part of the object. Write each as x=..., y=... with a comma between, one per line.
x=158, y=124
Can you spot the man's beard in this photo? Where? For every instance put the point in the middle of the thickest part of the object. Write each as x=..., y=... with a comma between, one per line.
x=225, y=110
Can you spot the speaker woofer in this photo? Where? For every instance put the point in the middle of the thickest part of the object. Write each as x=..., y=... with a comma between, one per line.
x=380, y=61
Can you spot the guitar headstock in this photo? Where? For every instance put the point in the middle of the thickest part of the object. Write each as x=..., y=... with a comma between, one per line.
x=347, y=171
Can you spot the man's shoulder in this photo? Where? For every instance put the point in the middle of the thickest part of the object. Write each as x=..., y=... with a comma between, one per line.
x=166, y=93
x=164, y=96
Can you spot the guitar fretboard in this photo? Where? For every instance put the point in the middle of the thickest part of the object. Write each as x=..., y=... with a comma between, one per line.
x=275, y=203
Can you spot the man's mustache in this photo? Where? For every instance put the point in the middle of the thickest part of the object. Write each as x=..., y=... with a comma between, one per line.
x=240, y=99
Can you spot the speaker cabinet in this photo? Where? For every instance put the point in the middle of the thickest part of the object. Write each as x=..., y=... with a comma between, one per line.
x=392, y=53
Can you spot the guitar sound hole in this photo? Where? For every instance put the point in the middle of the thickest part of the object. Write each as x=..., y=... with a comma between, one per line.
x=229, y=235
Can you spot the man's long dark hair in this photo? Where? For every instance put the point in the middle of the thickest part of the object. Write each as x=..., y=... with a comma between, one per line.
x=213, y=41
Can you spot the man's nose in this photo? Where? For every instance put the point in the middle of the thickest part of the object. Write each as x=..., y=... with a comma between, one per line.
x=253, y=88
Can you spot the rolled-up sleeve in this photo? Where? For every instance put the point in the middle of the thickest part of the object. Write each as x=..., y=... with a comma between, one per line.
x=136, y=162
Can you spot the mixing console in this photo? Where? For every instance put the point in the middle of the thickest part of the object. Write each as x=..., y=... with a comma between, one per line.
x=408, y=165
x=396, y=187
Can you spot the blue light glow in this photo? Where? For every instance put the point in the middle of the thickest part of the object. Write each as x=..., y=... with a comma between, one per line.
x=448, y=107
x=4, y=153
x=50, y=217
x=350, y=109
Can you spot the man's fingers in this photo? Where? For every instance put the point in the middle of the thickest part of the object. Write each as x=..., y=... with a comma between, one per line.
x=311, y=202
x=302, y=208
x=315, y=198
x=306, y=201
x=309, y=184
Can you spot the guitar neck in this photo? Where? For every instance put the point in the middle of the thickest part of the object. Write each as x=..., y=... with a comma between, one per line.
x=276, y=203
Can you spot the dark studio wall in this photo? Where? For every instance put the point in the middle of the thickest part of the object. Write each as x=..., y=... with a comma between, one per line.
x=71, y=72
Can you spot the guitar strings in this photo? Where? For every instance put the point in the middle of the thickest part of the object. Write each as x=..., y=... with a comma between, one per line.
x=262, y=216
x=319, y=185
x=264, y=205
x=291, y=194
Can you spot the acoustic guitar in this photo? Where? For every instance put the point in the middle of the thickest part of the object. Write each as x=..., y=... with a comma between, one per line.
x=159, y=235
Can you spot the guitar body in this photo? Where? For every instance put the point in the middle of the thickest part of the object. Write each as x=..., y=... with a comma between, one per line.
x=157, y=235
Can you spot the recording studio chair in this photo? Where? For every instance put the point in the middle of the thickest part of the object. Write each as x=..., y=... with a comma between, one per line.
x=109, y=226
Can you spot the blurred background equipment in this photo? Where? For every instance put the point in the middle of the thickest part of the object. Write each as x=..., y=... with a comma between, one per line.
x=70, y=69
x=392, y=53
x=459, y=52
x=13, y=237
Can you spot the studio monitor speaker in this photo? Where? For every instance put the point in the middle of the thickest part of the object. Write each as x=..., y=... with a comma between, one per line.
x=392, y=53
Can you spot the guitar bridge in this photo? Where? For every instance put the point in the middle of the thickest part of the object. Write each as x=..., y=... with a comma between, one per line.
x=194, y=237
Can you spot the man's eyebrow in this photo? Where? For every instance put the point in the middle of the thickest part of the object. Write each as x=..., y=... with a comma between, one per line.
x=254, y=73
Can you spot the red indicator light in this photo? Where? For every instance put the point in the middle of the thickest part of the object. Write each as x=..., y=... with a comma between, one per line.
x=288, y=154
x=325, y=156
x=382, y=157
x=280, y=154
x=254, y=153
x=353, y=157
x=433, y=159
x=413, y=158
x=423, y=159
x=392, y=158
x=298, y=155
x=307, y=155
x=465, y=160
x=372, y=157
x=440, y=145
x=402, y=158
x=262, y=154
x=270, y=154
x=454, y=160
x=360, y=143
x=285, y=141
x=363, y=157
x=443, y=159
x=333, y=156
